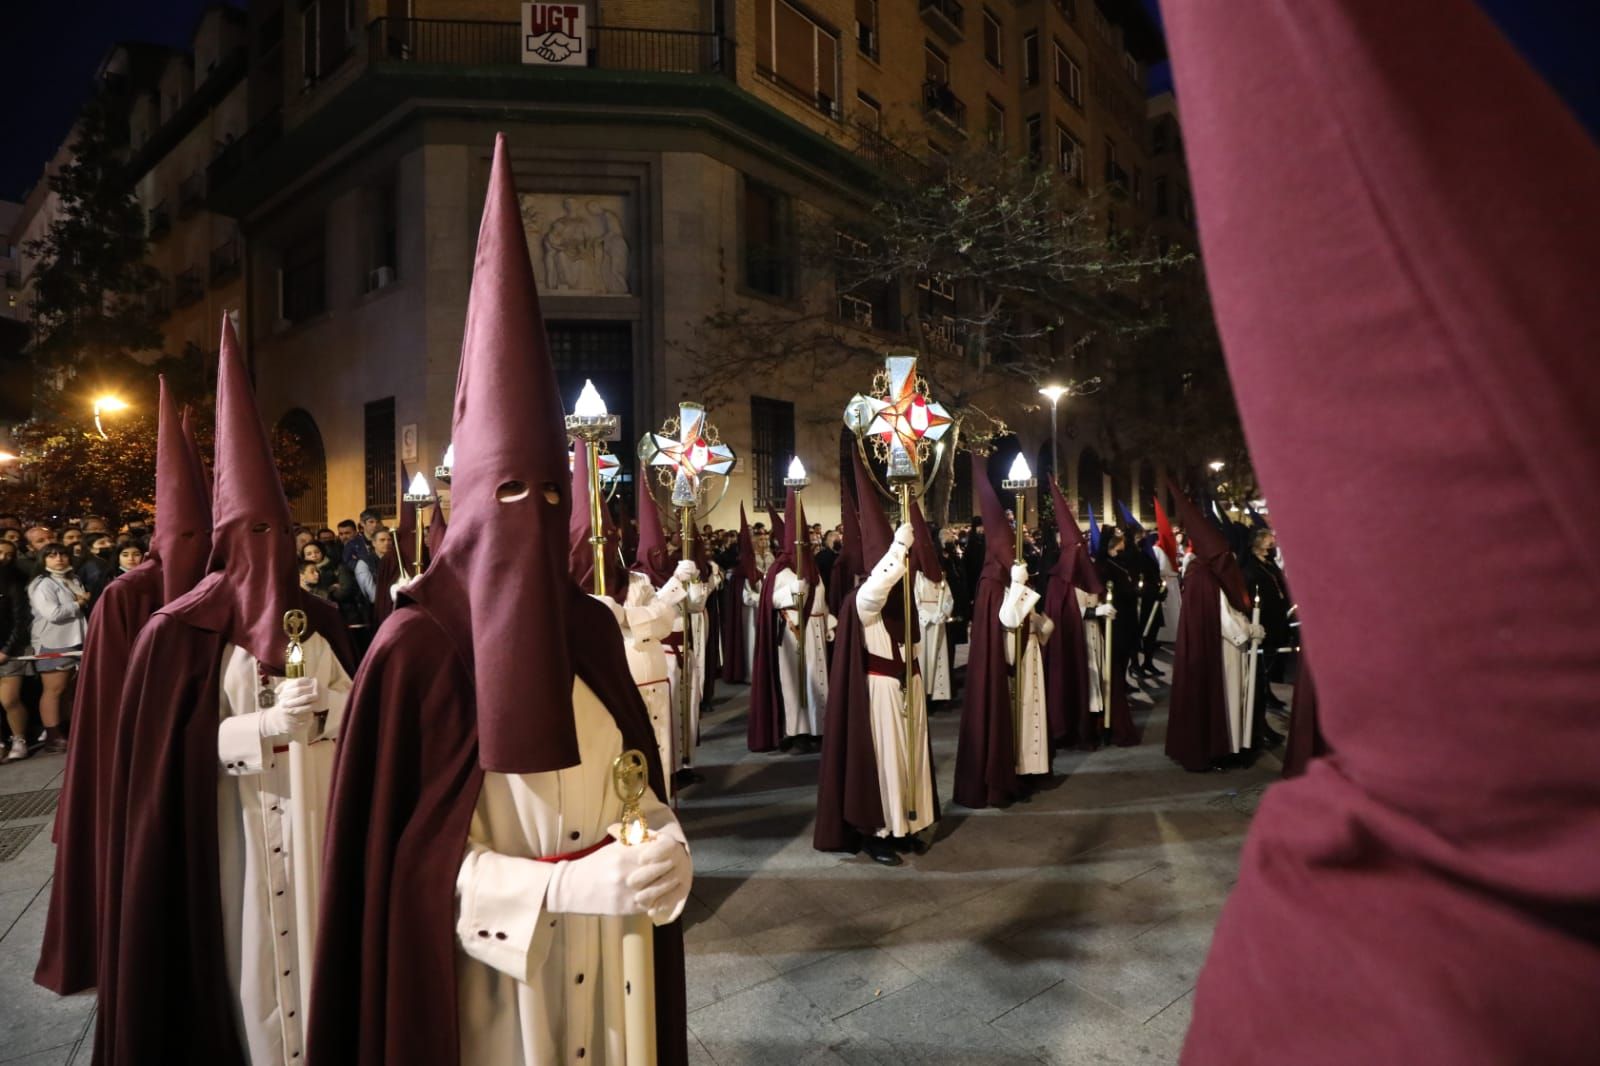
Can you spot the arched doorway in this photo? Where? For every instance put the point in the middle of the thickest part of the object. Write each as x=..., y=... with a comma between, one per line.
x=309, y=507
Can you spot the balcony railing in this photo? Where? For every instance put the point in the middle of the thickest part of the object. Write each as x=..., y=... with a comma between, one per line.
x=881, y=152
x=465, y=42
x=945, y=17
x=816, y=98
x=225, y=259
x=939, y=102
x=160, y=221
x=191, y=193
x=189, y=288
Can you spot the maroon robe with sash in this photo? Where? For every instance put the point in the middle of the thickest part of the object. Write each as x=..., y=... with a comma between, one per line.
x=1066, y=653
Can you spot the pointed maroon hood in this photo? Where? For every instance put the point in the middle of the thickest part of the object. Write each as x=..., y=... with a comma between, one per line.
x=580, y=552
x=783, y=552
x=404, y=541
x=876, y=536
x=1073, y=564
x=747, y=548
x=182, y=537
x=250, y=582
x=1211, y=548
x=653, y=556
x=499, y=584
x=205, y=472
x=999, y=551
x=434, y=534
x=925, y=550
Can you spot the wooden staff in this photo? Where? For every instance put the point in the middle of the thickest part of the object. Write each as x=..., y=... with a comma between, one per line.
x=911, y=765
x=686, y=648
x=629, y=781
x=1017, y=635
x=1247, y=727
x=1105, y=680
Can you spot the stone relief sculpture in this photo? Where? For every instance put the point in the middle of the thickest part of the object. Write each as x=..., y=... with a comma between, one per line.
x=578, y=244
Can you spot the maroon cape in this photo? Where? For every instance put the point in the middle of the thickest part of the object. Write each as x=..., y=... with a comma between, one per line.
x=764, y=726
x=1390, y=339
x=1305, y=739
x=1066, y=653
x=986, y=767
x=1197, y=708
x=731, y=619
x=70, y=952
x=164, y=988
x=849, y=805
x=405, y=787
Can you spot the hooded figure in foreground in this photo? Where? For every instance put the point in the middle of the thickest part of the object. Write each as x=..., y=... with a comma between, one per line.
x=475, y=900
x=177, y=560
x=207, y=917
x=1391, y=340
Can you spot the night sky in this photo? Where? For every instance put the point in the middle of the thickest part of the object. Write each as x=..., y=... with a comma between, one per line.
x=56, y=45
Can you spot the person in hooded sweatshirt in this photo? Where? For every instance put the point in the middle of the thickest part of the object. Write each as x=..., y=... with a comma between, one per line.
x=475, y=895
x=221, y=769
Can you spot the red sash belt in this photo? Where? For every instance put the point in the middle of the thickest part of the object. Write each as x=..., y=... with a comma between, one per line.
x=574, y=856
x=882, y=666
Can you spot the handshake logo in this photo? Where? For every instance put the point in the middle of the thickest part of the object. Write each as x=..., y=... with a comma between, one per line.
x=554, y=47
x=553, y=33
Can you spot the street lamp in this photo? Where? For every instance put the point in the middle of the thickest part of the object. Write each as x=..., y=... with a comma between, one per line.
x=1053, y=393
x=588, y=425
x=419, y=494
x=106, y=405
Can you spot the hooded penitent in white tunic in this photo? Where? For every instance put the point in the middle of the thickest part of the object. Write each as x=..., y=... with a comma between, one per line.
x=1174, y=598
x=904, y=784
x=698, y=593
x=935, y=604
x=646, y=617
x=803, y=716
x=1235, y=652
x=1033, y=730
x=1094, y=643
x=255, y=845
x=534, y=987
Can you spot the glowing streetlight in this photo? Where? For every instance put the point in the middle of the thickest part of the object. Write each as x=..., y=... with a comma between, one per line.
x=106, y=405
x=442, y=471
x=797, y=474
x=7, y=457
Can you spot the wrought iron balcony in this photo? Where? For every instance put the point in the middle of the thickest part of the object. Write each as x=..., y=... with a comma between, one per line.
x=940, y=103
x=467, y=42
x=947, y=18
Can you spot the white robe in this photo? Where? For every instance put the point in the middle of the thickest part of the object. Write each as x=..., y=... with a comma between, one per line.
x=646, y=617
x=699, y=592
x=1235, y=653
x=255, y=848
x=904, y=785
x=1095, y=650
x=750, y=597
x=803, y=717
x=535, y=988
x=935, y=604
x=1033, y=733
x=1168, y=632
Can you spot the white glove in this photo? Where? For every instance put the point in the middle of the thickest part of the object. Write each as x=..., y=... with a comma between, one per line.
x=1019, y=573
x=685, y=572
x=295, y=710
x=905, y=536
x=1105, y=610
x=1257, y=632
x=662, y=879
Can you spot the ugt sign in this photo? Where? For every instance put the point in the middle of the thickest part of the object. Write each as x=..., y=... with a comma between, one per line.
x=555, y=34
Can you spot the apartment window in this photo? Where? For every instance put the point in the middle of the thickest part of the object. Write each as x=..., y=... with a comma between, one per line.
x=302, y=281
x=764, y=218
x=995, y=122
x=866, y=302
x=1159, y=190
x=600, y=351
x=798, y=54
x=1030, y=58
x=1068, y=75
x=1115, y=175
x=1035, y=135
x=311, y=42
x=935, y=65
x=870, y=113
x=992, y=31
x=867, y=28
x=1138, y=186
x=384, y=258
x=1158, y=137
x=771, y=448
x=1131, y=65
x=1069, y=154
x=1185, y=205
x=380, y=456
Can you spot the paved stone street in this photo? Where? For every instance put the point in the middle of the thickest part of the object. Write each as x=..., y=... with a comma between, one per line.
x=1064, y=930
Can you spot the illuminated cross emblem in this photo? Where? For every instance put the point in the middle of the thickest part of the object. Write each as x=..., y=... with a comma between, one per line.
x=610, y=465
x=690, y=454
x=902, y=419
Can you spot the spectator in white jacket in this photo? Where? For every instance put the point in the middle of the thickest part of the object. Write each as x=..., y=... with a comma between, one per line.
x=58, y=600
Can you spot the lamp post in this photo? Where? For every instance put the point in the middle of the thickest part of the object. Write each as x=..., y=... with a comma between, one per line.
x=1053, y=393
x=420, y=495
x=1019, y=479
x=797, y=480
x=441, y=472
x=106, y=405
x=589, y=424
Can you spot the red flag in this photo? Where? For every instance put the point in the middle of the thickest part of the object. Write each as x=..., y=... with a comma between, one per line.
x=1165, y=538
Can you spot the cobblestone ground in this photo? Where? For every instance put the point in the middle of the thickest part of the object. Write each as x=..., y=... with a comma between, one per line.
x=1064, y=930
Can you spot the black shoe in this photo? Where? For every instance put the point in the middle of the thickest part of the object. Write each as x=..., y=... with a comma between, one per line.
x=1270, y=738
x=881, y=852
x=918, y=843
x=686, y=776
x=813, y=744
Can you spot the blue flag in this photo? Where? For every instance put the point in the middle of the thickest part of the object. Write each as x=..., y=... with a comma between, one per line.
x=1094, y=530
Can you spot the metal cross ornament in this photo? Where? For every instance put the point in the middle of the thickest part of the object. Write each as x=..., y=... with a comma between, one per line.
x=691, y=453
x=902, y=419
